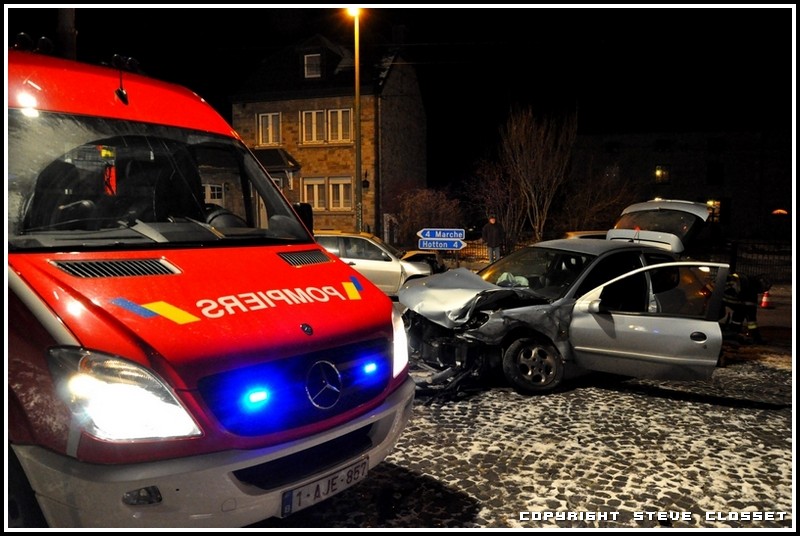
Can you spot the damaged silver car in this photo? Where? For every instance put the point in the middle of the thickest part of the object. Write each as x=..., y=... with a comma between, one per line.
x=561, y=308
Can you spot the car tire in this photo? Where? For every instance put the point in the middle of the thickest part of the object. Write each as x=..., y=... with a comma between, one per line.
x=532, y=366
x=23, y=509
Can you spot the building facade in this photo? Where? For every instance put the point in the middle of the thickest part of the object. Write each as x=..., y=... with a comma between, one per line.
x=297, y=113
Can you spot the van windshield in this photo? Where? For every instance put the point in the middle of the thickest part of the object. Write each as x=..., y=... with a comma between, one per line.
x=88, y=182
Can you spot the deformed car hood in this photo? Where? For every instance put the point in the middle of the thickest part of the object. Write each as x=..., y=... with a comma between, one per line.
x=450, y=298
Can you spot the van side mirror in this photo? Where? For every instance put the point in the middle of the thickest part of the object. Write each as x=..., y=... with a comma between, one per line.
x=306, y=214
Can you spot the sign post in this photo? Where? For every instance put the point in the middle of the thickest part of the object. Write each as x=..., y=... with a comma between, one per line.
x=451, y=234
x=447, y=239
x=442, y=239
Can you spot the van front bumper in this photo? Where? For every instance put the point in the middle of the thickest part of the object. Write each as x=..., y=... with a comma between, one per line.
x=208, y=490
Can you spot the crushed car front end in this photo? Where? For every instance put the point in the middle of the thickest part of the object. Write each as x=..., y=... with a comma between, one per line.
x=459, y=325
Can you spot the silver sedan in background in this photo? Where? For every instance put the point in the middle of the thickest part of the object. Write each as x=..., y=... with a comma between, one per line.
x=373, y=258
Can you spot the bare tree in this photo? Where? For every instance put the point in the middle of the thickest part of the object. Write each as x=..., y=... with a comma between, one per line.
x=535, y=152
x=492, y=192
x=593, y=198
x=426, y=208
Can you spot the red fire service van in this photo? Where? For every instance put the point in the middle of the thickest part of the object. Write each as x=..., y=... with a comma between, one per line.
x=180, y=351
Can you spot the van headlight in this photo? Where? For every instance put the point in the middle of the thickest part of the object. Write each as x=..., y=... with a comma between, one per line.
x=115, y=399
x=400, y=357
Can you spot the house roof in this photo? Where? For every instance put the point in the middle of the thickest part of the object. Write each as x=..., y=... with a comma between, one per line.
x=276, y=159
x=281, y=76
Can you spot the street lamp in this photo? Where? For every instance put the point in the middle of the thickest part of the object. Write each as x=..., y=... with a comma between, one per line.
x=354, y=12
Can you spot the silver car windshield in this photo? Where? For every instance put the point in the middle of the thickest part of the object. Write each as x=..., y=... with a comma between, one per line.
x=87, y=182
x=550, y=272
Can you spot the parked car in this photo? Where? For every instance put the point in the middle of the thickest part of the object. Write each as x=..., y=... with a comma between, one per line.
x=430, y=257
x=381, y=263
x=559, y=308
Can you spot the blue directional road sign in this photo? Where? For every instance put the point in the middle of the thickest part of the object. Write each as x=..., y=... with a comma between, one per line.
x=438, y=243
x=446, y=234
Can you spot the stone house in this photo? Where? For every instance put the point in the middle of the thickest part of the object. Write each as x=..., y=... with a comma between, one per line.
x=296, y=112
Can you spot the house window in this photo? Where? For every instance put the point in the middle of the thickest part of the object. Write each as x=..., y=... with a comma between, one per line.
x=339, y=125
x=214, y=193
x=314, y=126
x=314, y=192
x=662, y=174
x=341, y=193
x=313, y=65
x=335, y=193
x=269, y=129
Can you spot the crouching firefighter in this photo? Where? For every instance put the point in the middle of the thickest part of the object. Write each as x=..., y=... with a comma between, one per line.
x=741, y=297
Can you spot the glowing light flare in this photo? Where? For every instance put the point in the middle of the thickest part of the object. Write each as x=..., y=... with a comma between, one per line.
x=26, y=100
x=400, y=355
x=75, y=308
x=255, y=399
x=28, y=104
x=370, y=368
x=122, y=411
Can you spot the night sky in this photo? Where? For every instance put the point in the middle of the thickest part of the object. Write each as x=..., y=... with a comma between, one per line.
x=625, y=70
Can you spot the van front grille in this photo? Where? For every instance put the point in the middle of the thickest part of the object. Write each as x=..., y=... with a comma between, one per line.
x=280, y=472
x=308, y=389
x=116, y=268
x=303, y=258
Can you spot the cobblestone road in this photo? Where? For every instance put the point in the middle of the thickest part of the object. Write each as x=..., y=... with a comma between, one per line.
x=696, y=454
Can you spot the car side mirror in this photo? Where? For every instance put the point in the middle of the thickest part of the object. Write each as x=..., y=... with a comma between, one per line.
x=596, y=307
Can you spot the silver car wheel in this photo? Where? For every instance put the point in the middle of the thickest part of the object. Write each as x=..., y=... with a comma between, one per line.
x=532, y=366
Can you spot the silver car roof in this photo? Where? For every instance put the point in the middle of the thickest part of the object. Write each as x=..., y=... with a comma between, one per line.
x=591, y=246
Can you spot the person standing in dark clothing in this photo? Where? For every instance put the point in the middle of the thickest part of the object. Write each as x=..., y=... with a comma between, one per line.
x=493, y=235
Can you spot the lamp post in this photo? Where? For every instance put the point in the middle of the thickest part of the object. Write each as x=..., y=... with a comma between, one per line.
x=354, y=12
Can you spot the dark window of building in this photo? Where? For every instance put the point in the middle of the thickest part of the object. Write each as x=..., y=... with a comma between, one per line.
x=717, y=145
x=716, y=174
x=662, y=146
x=313, y=65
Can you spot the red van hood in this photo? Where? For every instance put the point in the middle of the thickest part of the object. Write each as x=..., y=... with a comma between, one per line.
x=196, y=312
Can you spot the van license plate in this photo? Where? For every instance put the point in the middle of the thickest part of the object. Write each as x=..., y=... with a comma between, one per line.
x=319, y=490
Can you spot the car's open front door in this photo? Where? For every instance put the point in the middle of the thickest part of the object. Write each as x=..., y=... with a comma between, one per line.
x=658, y=322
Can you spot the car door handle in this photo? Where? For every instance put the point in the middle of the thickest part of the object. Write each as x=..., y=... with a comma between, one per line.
x=698, y=336
x=351, y=263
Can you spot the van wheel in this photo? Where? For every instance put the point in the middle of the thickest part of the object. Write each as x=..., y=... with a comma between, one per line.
x=23, y=509
x=531, y=366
